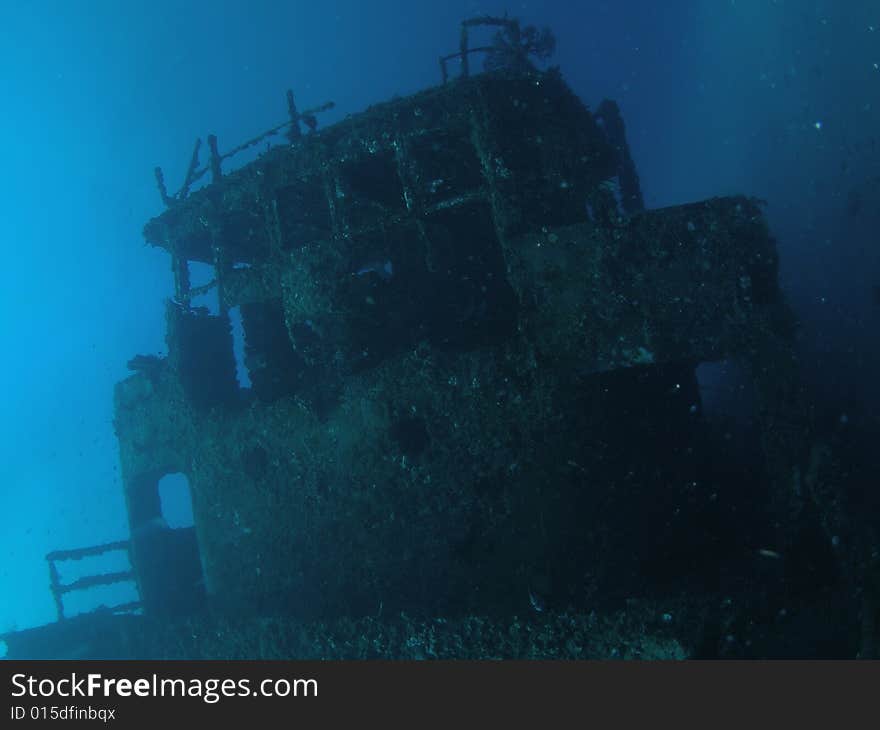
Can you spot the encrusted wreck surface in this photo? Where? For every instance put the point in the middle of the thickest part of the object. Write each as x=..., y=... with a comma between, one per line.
x=472, y=365
x=639, y=632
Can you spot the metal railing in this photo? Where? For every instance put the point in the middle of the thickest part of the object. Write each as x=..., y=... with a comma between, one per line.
x=194, y=172
x=511, y=47
x=60, y=589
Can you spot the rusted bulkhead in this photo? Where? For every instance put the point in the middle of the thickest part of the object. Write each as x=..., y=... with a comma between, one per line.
x=472, y=369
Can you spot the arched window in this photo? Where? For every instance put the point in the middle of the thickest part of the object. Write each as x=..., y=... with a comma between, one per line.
x=176, y=500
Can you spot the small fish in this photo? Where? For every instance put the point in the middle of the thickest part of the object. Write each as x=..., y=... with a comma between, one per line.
x=536, y=602
x=150, y=527
x=767, y=553
x=383, y=269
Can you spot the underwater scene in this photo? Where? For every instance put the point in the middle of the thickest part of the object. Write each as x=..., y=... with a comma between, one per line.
x=440, y=330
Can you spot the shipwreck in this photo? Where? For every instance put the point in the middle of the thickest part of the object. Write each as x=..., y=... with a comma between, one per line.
x=471, y=353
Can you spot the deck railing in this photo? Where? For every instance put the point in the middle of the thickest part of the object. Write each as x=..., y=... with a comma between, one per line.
x=215, y=164
x=60, y=589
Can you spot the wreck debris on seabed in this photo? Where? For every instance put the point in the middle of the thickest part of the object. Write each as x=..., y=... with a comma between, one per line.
x=473, y=427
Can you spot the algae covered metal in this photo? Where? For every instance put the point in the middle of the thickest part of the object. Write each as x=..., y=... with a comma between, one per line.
x=457, y=327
